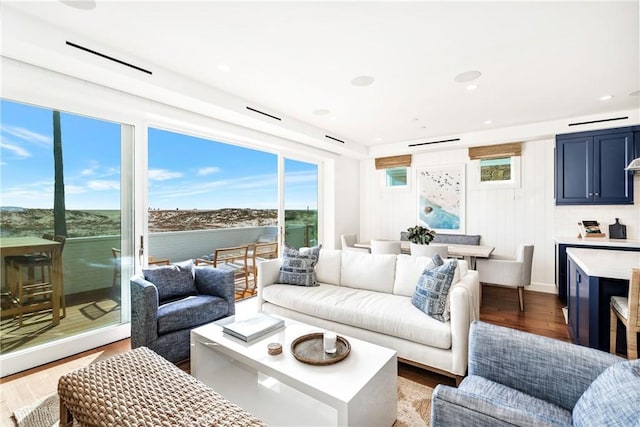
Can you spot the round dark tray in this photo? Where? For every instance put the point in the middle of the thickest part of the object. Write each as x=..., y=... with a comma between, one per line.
x=309, y=349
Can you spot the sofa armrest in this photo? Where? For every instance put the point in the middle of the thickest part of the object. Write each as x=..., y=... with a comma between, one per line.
x=268, y=274
x=464, y=309
x=144, y=311
x=549, y=369
x=217, y=282
x=456, y=407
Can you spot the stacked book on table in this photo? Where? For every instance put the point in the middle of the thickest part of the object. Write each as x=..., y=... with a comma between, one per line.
x=251, y=328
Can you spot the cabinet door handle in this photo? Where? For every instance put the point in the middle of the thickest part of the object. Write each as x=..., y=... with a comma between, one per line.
x=597, y=194
x=590, y=194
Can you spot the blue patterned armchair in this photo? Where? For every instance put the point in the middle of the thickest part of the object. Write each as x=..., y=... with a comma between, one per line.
x=168, y=301
x=520, y=379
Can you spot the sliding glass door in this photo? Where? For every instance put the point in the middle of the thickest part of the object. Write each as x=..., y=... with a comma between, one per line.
x=62, y=175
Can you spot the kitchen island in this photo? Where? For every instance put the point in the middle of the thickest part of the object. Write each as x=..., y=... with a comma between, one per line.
x=593, y=276
x=564, y=242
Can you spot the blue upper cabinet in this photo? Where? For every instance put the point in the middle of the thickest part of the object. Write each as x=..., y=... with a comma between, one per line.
x=590, y=167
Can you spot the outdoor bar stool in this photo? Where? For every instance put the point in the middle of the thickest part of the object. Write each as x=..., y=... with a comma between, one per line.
x=35, y=288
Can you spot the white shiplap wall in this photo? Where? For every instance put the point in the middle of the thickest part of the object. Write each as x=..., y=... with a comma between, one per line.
x=503, y=217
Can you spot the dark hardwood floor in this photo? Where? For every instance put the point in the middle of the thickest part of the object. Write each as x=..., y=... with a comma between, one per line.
x=542, y=316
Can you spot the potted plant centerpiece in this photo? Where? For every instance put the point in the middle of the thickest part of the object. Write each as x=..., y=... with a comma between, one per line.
x=419, y=237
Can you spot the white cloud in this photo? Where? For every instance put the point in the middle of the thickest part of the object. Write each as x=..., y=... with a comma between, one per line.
x=103, y=185
x=208, y=171
x=87, y=172
x=162, y=175
x=15, y=149
x=27, y=135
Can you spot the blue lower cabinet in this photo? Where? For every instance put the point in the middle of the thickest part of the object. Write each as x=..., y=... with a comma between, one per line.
x=588, y=303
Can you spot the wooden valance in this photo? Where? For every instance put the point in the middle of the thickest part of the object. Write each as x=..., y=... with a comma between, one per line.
x=495, y=151
x=393, y=162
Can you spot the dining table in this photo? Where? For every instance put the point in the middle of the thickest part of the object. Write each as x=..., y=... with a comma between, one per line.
x=469, y=252
x=28, y=245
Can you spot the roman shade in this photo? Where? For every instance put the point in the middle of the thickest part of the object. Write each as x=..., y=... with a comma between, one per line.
x=495, y=151
x=393, y=161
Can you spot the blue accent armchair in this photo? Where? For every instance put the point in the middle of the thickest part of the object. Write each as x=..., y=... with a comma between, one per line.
x=168, y=301
x=520, y=379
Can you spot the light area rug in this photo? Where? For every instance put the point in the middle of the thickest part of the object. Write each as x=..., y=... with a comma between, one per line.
x=414, y=408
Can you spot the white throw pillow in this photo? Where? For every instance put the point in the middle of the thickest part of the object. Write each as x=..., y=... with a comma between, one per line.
x=328, y=267
x=408, y=270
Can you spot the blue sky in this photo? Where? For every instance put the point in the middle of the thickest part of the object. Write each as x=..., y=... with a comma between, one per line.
x=184, y=172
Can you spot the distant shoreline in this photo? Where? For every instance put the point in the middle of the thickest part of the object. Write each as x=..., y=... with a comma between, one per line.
x=17, y=221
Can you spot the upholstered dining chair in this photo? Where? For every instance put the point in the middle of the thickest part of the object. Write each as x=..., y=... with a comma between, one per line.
x=349, y=241
x=385, y=247
x=430, y=250
x=628, y=311
x=509, y=272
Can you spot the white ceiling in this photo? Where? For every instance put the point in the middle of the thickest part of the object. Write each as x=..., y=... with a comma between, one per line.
x=539, y=60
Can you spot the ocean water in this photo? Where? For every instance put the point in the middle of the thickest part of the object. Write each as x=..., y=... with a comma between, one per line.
x=434, y=216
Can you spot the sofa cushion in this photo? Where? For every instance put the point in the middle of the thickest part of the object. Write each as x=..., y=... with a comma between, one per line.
x=384, y=313
x=328, y=267
x=613, y=395
x=172, y=281
x=190, y=312
x=365, y=271
x=432, y=290
x=510, y=405
x=298, y=266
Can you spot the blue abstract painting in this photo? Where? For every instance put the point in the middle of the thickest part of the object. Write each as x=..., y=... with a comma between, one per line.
x=441, y=198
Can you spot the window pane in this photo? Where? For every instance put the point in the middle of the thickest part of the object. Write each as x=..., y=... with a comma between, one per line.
x=66, y=183
x=205, y=195
x=396, y=177
x=301, y=203
x=495, y=169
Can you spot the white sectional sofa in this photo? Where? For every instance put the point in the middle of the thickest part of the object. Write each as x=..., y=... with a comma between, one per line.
x=369, y=297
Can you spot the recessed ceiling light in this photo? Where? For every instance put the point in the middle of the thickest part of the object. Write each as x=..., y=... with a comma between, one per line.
x=472, y=86
x=415, y=119
x=488, y=122
x=224, y=68
x=80, y=4
x=332, y=118
x=378, y=139
x=423, y=127
x=362, y=81
x=606, y=97
x=321, y=112
x=467, y=76
x=635, y=93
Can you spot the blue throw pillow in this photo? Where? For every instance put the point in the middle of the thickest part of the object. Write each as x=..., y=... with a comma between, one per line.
x=432, y=289
x=613, y=398
x=172, y=281
x=298, y=267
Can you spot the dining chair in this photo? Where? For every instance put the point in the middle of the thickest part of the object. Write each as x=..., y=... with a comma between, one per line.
x=628, y=311
x=430, y=250
x=509, y=272
x=259, y=252
x=231, y=259
x=349, y=241
x=385, y=247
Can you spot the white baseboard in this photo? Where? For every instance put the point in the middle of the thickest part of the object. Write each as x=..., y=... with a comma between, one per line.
x=548, y=288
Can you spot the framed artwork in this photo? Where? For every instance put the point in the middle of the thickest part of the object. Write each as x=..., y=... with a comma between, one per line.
x=441, y=197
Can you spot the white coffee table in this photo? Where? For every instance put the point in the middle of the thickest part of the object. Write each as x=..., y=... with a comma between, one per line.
x=361, y=390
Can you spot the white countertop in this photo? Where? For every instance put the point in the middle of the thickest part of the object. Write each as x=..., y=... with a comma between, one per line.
x=597, y=241
x=605, y=262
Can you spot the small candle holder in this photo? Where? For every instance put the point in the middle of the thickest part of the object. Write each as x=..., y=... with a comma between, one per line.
x=329, y=342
